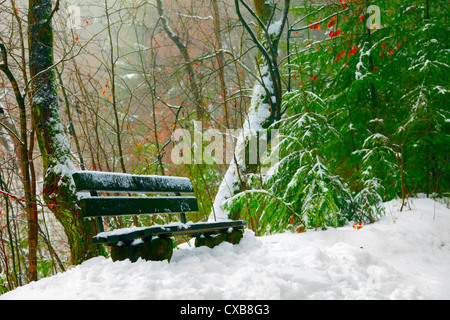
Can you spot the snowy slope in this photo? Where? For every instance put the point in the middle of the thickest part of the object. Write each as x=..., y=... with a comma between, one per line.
x=404, y=256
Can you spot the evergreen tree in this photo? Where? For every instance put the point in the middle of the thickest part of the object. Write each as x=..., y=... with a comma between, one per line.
x=384, y=87
x=300, y=191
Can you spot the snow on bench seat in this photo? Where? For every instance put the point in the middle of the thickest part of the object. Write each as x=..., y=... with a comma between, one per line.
x=172, y=229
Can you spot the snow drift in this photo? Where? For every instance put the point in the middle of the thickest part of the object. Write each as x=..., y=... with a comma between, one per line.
x=406, y=255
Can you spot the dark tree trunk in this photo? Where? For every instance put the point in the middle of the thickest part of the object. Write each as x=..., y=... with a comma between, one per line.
x=59, y=192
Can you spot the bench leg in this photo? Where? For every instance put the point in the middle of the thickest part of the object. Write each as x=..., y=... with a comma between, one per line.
x=211, y=241
x=122, y=252
x=235, y=236
x=158, y=249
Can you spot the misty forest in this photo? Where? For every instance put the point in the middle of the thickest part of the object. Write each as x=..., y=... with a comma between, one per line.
x=350, y=96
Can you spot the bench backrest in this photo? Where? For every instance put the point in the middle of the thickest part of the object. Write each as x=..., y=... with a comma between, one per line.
x=102, y=182
x=118, y=182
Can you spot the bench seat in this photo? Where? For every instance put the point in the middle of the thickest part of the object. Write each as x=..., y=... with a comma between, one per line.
x=170, y=230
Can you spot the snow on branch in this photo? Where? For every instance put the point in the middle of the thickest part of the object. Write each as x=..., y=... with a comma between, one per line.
x=194, y=17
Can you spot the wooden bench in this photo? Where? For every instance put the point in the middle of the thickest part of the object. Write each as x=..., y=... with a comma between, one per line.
x=170, y=195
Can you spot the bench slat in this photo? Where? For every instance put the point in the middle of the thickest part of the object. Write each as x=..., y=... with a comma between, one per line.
x=127, y=206
x=169, y=231
x=127, y=183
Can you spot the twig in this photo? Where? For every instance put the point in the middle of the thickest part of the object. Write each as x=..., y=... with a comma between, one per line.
x=320, y=21
x=54, y=11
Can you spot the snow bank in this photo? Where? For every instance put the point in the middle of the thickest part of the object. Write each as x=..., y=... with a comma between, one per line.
x=404, y=256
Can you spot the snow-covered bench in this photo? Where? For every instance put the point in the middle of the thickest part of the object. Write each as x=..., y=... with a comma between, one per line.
x=153, y=242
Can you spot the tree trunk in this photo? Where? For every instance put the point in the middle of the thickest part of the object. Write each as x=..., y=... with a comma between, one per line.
x=265, y=106
x=220, y=60
x=198, y=100
x=59, y=191
x=23, y=155
x=112, y=62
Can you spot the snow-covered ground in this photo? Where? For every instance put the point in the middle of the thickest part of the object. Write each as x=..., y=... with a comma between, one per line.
x=404, y=256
